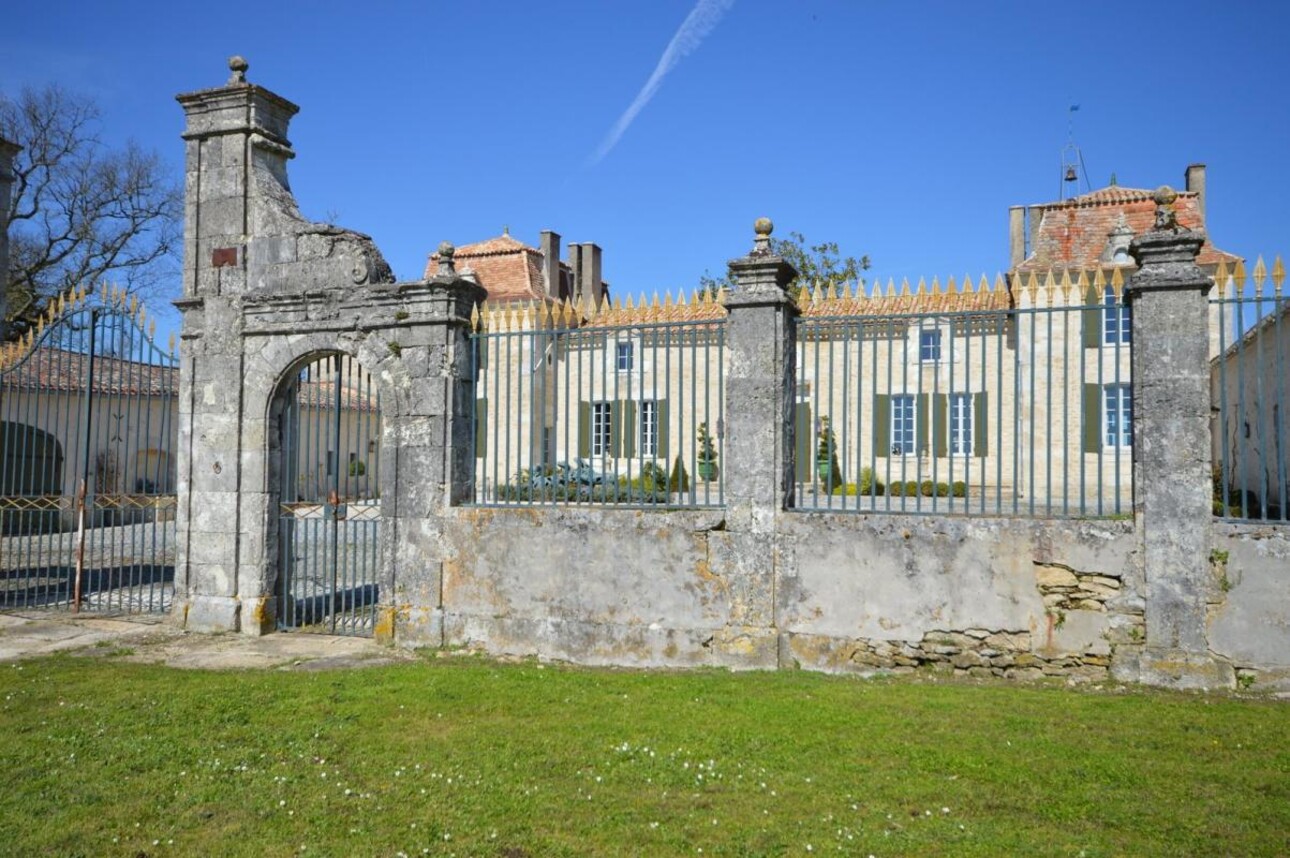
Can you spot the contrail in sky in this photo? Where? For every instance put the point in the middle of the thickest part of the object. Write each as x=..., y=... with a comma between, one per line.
x=705, y=15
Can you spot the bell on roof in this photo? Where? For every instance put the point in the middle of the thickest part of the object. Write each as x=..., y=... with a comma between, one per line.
x=1071, y=175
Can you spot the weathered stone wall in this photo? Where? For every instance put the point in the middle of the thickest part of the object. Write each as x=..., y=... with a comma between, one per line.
x=984, y=597
x=1249, y=608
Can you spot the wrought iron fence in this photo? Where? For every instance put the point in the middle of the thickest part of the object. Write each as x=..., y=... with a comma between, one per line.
x=612, y=405
x=1003, y=399
x=1250, y=392
x=87, y=475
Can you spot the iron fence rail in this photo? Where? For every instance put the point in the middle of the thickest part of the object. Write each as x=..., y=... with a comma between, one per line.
x=329, y=522
x=629, y=415
x=1023, y=411
x=87, y=426
x=1250, y=387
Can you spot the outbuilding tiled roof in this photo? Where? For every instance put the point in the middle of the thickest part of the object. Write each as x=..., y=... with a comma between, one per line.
x=1073, y=233
x=508, y=269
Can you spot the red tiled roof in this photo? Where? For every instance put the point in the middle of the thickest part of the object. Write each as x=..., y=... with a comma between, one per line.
x=54, y=370
x=509, y=270
x=59, y=370
x=1073, y=233
x=931, y=301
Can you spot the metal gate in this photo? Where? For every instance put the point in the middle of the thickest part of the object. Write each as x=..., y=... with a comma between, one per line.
x=329, y=468
x=87, y=474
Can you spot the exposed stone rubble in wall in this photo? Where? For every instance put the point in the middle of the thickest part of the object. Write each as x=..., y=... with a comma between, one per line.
x=1009, y=654
x=1067, y=589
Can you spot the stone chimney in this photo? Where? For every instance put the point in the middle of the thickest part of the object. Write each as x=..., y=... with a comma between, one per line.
x=551, y=263
x=1016, y=236
x=1035, y=214
x=8, y=151
x=1195, y=177
x=589, y=281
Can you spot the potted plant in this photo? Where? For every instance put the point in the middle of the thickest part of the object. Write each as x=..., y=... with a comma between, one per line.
x=826, y=455
x=707, y=458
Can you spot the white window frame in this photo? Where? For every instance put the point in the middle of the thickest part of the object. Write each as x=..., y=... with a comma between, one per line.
x=962, y=423
x=602, y=431
x=647, y=409
x=624, y=349
x=936, y=345
x=1117, y=409
x=899, y=401
x=1117, y=329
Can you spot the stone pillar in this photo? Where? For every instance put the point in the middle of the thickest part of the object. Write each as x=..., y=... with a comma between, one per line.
x=8, y=151
x=1171, y=447
x=435, y=452
x=224, y=126
x=761, y=360
x=1016, y=236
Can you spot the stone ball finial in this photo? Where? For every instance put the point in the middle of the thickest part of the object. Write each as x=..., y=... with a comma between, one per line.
x=1166, y=217
x=238, y=66
x=761, y=244
x=445, y=253
x=1165, y=196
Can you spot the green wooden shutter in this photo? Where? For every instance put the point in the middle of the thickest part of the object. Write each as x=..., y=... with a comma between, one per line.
x=661, y=447
x=584, y=429
x=882, y=424
x=630, y=427
x=615, y=428
x=980, y=424
x=940, y=425
x=803, y=459
x=922, y=427
x=1092, y=418
x=481, y=428
x=1091, y=319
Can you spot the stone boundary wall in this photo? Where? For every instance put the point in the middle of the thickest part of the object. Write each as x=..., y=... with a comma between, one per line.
x=844, y=594
x=1249, y=603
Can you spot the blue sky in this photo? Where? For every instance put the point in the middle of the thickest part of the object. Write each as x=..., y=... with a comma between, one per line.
x=900, y=130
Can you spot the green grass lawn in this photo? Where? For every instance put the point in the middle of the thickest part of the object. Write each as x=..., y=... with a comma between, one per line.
x=461, y=756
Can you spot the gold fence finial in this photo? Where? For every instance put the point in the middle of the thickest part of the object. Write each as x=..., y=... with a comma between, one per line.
x=1260, y=274
x=1117, y=283
x=1278, y=275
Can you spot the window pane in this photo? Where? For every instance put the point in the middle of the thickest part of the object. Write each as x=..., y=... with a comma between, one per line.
x=960, y=424
x=600, y=428
x=649, y=427
x=929, y=345
x=903, y=415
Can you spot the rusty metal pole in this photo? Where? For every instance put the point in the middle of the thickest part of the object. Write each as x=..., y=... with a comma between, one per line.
x=80, y=547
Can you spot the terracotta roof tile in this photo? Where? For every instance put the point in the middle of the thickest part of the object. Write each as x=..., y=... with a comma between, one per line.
x=1073, y=233
x=508, y=269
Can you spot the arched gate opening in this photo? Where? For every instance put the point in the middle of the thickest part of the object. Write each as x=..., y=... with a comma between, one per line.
x=327, y=466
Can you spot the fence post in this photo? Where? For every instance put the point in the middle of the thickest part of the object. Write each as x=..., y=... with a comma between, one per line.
x=1171, y=443
x=757, y=442
x=435, y=458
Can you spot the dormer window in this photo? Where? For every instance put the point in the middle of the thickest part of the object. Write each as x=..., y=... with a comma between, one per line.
x=929, y=345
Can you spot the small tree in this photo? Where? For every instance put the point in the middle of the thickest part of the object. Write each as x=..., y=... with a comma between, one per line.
x=821, y=262
x=680, y=478
x=826, y=455
x=707, y=456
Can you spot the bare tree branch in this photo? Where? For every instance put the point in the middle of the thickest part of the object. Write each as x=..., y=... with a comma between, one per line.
x=82, y=212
